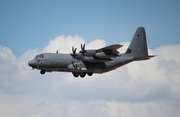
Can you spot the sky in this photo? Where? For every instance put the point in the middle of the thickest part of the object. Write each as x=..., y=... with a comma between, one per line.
x=31, y=24
x=146, y=88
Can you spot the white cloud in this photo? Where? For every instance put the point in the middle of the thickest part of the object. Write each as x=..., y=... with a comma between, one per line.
x=96, y=44
x=146, y=88
x=64, y=44
x=140, y=109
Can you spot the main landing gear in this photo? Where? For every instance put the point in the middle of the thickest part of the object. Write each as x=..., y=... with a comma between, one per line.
x=42, y=71
x=82, y=75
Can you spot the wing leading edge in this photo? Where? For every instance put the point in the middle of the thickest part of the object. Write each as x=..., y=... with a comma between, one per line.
x=110, y=50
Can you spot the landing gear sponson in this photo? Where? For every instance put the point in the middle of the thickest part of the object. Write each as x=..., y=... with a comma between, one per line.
x=82, y=75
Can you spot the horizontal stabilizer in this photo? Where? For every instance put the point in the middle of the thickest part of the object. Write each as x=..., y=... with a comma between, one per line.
x=144, y=57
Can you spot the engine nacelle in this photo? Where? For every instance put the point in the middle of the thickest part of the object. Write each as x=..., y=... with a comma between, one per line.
x=100, y=54
x=103, y=55
x=90, y=53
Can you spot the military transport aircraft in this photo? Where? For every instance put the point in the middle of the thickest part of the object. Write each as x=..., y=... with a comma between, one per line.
x=93, y=61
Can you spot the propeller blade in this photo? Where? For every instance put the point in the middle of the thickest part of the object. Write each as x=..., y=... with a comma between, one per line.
x=72, y=49
x=73, y=52
x=83, y=48
x=74, y=65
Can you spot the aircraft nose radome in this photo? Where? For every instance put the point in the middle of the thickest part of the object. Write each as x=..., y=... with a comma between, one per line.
x=31, y=63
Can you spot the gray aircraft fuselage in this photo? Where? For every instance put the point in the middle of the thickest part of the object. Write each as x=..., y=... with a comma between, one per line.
x=63, y=62
x=93, y=61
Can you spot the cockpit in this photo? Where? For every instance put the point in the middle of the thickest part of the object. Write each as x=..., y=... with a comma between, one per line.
x=39, y=56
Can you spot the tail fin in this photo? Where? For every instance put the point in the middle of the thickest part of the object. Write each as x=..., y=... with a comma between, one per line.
x=138, y=45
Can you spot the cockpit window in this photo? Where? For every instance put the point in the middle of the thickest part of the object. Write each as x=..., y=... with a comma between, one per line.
x=36, y=57
x=39, y=56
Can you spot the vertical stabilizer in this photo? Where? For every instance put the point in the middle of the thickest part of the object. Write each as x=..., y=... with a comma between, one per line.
x=138, y=45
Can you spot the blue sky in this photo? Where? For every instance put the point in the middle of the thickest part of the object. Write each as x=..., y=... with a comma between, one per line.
x=30, y=24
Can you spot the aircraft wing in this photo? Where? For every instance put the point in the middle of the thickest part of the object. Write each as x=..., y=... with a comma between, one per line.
x=104, y=54
x=110, y=50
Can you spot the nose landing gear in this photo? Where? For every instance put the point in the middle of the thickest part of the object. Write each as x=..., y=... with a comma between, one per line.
x=42, y=71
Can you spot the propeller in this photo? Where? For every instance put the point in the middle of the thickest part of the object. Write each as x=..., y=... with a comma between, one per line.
x=74, y=52
x=82, y=49
x=74, y=65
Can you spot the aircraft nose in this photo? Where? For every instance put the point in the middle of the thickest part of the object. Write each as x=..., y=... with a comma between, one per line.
x=31, y=63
